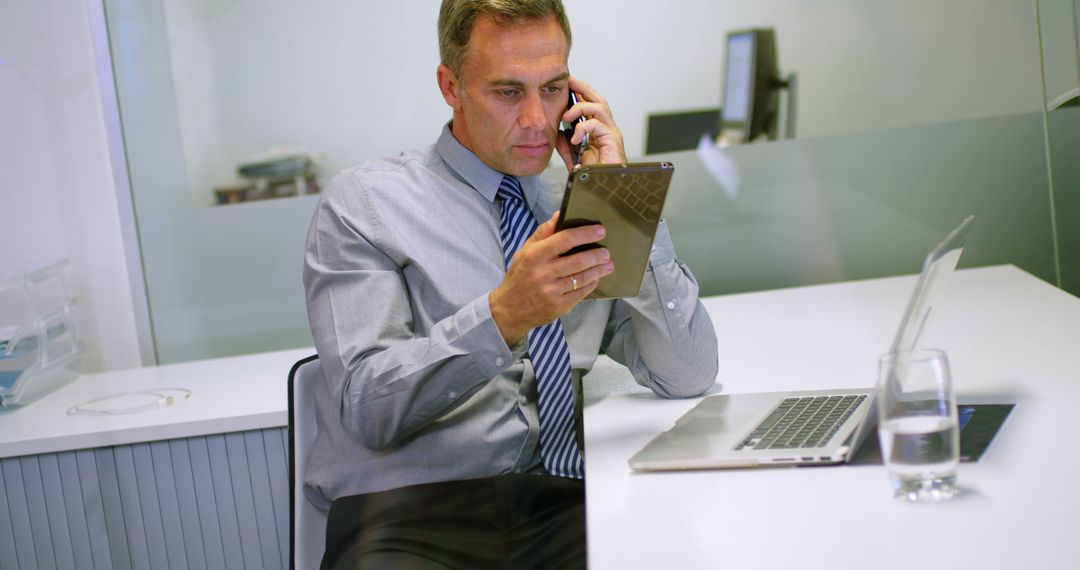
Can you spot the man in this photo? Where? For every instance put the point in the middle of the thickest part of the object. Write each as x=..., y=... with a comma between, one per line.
x=450, y=417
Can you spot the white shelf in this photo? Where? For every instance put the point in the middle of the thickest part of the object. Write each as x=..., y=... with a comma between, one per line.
x=227, y=395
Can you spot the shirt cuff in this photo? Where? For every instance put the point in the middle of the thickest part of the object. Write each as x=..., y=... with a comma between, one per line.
x=663, y=250
x=495, y=355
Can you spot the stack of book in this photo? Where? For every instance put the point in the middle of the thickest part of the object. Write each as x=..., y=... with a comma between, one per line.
x=274, y=174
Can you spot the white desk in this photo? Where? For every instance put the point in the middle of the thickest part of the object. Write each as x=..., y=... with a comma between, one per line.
x=1010, y=338
x=227, y=395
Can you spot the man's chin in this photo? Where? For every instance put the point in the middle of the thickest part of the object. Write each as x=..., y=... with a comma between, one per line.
x=530, y=166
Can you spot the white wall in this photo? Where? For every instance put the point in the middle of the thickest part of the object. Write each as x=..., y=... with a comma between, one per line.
x=357, y=79
x=57, y=198
x=1060, y=20
x=861, y=65
x=196, y=96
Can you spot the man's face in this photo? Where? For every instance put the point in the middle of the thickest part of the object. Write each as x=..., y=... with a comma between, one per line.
x=513, y=92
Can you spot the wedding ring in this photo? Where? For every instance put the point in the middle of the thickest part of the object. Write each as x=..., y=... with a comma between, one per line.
x=573, y=283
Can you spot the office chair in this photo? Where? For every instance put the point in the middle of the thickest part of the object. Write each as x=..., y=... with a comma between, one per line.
x=307, y=524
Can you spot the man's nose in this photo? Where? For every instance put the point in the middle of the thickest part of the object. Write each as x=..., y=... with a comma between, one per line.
x=532, y=113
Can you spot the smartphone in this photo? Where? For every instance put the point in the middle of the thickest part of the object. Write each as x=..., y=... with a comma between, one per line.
x=568, y=131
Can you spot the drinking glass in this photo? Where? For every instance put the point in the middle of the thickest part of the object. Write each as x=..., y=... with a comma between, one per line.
x=920, y=441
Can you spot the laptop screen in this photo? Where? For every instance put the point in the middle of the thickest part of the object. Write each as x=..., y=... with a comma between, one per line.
x=938, y=266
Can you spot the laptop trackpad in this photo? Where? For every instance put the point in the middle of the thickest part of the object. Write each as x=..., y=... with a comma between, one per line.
x=715, y=416
x=711, y=428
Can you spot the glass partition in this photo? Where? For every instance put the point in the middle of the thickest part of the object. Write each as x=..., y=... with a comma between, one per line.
x=1059, y=23
x=864, y=205
x=909, y=117
x=1063, y=131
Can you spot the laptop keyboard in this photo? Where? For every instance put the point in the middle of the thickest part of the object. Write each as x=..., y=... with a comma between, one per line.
x=802, y=422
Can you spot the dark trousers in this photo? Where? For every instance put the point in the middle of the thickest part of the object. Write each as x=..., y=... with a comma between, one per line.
x=510, y=521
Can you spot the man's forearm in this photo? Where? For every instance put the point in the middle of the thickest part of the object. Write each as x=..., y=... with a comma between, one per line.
x=665, y=335
x=391, y=386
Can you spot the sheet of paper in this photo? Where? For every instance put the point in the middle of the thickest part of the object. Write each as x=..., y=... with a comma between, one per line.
x=720, y=165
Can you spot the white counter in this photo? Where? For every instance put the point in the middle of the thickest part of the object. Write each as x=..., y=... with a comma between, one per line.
x=227, y=395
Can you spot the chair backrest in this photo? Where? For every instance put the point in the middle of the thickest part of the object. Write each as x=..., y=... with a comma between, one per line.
x=307, y=524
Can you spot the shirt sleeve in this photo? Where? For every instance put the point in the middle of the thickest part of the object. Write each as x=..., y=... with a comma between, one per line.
x=664, y=335
x=388, y=381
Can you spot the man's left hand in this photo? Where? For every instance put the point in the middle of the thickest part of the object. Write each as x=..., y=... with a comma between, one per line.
x=605, y=139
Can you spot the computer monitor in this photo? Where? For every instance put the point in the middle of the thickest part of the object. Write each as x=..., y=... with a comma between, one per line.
x=751, y=86
x=670, y=132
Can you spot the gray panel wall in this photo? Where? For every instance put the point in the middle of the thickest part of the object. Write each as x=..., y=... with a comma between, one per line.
x=864, y=205
x=220, y=501
x=1064, y=138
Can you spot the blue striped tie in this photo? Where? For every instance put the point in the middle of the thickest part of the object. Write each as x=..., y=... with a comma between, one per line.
x=548, y=350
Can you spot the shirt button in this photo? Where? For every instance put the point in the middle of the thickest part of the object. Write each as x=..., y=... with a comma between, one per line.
x=671, y=304
x=523, y=400
x=499, y=361
x=653, y=248
x=451, y=394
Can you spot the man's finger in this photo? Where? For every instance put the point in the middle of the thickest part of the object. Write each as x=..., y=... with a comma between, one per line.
x=570, y=238
x=589, y=94
x=544, y=230
x=578, y=263
x=565, y=152
x=581, y=292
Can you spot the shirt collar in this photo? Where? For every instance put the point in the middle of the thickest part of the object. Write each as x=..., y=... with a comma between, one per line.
x=483, y=178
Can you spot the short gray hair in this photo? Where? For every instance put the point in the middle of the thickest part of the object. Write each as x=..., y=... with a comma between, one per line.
x=457, y=17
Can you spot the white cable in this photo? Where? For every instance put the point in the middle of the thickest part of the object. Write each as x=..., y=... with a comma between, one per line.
x=161, y=398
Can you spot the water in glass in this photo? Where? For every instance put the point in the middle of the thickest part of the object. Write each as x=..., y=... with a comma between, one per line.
x=921, y=453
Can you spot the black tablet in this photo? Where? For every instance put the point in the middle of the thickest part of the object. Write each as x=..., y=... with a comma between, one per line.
x=628, y=200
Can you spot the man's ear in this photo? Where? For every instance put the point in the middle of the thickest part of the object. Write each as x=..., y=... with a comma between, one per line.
x=449, y=86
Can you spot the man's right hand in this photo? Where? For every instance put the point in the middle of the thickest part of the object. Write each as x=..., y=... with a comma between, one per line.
x=541, y=284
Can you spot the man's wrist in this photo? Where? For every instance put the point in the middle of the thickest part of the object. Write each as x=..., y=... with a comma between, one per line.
x=511, y=333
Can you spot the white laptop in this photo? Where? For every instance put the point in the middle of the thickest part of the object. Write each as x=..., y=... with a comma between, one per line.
x=794, y=428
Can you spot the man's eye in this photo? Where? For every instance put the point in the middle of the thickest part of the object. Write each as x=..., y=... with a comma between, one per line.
x=508, y=93
x=552, y=90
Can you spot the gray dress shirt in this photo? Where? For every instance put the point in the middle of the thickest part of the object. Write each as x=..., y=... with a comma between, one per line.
x=420, y=386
